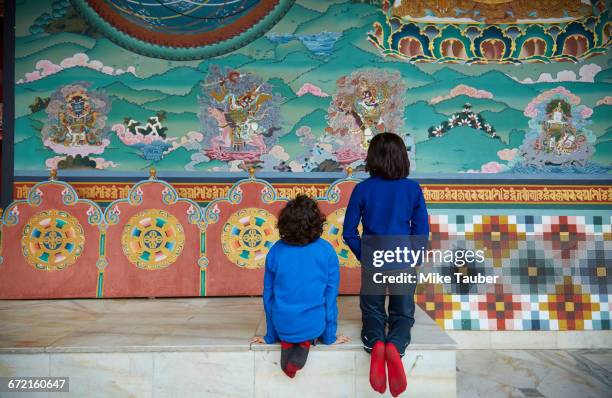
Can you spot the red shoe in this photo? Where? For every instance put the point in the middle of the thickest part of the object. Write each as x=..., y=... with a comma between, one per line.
x=378, y=376
x=395, y=368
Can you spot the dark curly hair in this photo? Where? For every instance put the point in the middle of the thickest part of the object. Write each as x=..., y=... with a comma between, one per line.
x=387, y=157
x=300, y=222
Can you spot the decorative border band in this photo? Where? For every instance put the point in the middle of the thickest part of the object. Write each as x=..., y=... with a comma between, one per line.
x=434, y=193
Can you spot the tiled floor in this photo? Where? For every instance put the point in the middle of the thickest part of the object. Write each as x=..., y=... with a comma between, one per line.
x=534, y=373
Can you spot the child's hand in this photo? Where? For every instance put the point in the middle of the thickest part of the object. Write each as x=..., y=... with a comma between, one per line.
x=257, y=340
x=341, y=339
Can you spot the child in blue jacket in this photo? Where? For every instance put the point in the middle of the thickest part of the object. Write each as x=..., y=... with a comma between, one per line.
x=387, y=203
x=300, y=286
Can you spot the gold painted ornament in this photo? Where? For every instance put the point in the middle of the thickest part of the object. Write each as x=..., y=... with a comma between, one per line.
x=248, y=236
x=52, y=240
x=153, y=239
x=332, y=232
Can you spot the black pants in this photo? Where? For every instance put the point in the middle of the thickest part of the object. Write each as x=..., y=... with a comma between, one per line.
x=400, y=319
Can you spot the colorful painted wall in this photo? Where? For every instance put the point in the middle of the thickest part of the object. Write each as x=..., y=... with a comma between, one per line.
x=504, y=106
x=306, y=93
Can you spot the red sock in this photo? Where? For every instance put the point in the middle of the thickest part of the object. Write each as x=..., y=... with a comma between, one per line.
x=291, y=370
x=305, y=344
x=395, y=367
x=378, y=376
x=286, y=349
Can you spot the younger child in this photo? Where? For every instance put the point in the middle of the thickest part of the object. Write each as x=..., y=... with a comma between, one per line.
x=300, y=286
x=387, y=203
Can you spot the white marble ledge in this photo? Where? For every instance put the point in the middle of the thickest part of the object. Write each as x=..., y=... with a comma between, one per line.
x=426, y=335
x=168, y=325
x=352, y=346
x=531, y=339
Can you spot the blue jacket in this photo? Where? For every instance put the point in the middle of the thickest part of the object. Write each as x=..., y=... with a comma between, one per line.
x=300, y=291
x=385, y=207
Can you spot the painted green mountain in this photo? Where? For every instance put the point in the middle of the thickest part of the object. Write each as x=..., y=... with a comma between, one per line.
x=176, y=103
x=603, y=153
x=30, y=45
x=315, y=120
x=516, y=138
x=23, y=98
x=589, y=93
x=601, y=117
x=291, y=67
x=26, y=128
x=279, y=86
x=282, y=50
x=462, y=148
x=419, y=117
x=177, y=81
x=233, y=60
x=55, y=54
x=506, y=121
x=447, y=74
x=297, y=15
x=125, y=157
x=455, y=104
x=25, y=93
x=319, y=5
x=295, y=108
x=348, y=58
x=261, y=48
x=605, y=76
x=32, y=154
x=504, y=89
x=78, y=74
x=140, y=97
x=338, y=18
x=111, y=54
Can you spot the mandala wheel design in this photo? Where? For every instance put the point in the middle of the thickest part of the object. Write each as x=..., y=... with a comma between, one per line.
x=52, y=240
x=332, y=232
x=153, y=239
x=247, y=237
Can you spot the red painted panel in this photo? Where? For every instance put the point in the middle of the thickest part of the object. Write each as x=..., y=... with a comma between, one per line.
x=122, y=278
x=20, y=279
x=224, y=277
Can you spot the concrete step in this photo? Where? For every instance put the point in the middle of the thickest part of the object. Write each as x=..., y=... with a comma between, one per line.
x=199, y=347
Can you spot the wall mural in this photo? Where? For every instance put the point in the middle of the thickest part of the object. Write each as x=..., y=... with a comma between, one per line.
x=97, y=88
x=475, y=88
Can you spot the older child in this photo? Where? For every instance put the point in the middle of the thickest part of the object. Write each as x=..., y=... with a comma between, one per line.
x=387, y=203
x=300, y=285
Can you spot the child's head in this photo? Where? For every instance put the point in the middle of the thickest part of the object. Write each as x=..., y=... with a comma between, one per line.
x=301, y=221
x=388, y=157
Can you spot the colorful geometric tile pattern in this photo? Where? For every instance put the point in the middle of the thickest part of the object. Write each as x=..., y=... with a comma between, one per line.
x=554, y=273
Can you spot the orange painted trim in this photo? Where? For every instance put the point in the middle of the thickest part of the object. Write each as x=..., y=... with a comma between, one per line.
x=434, y=193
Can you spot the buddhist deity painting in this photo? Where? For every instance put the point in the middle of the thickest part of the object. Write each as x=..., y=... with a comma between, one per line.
x=239, y=114
x=366, y=102
x=559, y=134
x=76, y=124
x=497, y=87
